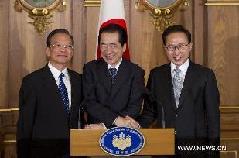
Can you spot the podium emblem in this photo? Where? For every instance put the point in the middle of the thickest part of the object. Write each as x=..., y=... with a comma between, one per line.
x=122, y=141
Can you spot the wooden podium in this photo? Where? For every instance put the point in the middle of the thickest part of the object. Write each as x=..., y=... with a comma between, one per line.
x=85, y=142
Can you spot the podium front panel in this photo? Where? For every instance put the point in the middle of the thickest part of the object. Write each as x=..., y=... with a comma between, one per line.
x=85, y=142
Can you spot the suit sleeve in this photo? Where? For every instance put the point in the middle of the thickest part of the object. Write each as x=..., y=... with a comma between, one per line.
x=27, y=106
x=99, y=111
x=212, y=102
x=77, y=110
x=149, y=113
x=136, y=95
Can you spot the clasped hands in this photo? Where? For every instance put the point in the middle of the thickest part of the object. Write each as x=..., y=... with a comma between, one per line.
x=119, y=122
x=126, y=122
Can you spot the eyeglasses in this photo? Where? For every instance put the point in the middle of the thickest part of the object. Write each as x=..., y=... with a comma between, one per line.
x=104, y=46
x=60, y=46
x=180, y=47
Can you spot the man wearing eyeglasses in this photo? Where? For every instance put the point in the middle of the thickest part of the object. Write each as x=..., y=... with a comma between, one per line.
x=49, y=102
x=113, y=86
x=183, y=96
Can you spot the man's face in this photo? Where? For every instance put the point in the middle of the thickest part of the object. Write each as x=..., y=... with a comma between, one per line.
x=177, y=48
x=111, y=49
x=60, y=51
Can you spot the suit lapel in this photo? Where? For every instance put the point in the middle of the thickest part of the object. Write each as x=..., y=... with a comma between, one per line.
x=49, y=80
x=49, y=84
x=186, y=84
x=122, y=75
x=169, y=86
x=52, y=89
x=73, y=89
x=104, y=76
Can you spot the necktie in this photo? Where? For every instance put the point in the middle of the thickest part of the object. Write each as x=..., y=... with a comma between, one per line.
x=113, y=73
x=177, y=85
x=63, y=93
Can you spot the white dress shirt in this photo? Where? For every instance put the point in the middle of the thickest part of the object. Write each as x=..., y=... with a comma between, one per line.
x=183, y=68
x=56, y=73
x=116, y=66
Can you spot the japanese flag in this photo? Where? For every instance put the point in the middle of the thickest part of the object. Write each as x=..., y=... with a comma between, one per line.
x=112, y=11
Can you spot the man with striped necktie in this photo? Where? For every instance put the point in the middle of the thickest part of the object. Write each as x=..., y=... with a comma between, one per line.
x=49, y=103
x=183, y=96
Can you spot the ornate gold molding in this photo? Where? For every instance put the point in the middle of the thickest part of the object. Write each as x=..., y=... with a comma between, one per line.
x=162, y=16
x=40, y=11
x=92, y=3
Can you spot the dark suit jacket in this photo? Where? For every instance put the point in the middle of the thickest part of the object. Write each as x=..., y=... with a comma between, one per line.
x=105, y=101
x=197, y=117
x=43, y=125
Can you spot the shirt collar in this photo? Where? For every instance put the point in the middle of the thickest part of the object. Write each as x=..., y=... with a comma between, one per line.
x=56, y=73
x=116, y=66
x=182, y=67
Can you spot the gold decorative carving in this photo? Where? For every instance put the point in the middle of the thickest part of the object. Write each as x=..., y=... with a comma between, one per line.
x=40, y=11
x=92, y=3
x=162, y=13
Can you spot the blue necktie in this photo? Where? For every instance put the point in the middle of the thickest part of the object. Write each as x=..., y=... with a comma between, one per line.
x=177, y=85
x=63, y=93
x=113, y=73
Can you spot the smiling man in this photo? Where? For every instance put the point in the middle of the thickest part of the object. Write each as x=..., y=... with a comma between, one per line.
x=49, y=102
x=183, y=96
x=113, y=87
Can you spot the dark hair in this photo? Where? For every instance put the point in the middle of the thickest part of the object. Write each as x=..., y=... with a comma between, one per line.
x=65, y=31
x=175, y=29
x=112, y=28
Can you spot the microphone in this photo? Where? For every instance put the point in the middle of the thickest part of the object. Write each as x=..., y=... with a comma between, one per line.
x=163, y=117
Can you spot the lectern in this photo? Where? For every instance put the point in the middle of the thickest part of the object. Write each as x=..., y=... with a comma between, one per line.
x=85, y=142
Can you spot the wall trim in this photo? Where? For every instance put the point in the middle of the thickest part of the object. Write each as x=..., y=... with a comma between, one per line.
x=221, y=3
x=9, y=109
x=229, y=109
x=92, y=3
x=230, y=151
x=222, y=108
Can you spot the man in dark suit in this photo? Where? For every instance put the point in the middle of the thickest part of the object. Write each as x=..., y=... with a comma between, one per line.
x=184, y=96
x=113, y=87
x=49, y=103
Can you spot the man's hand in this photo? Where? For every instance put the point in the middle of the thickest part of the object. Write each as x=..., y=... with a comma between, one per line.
x=121, y=122
x=126, y=122
x=133, y=123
